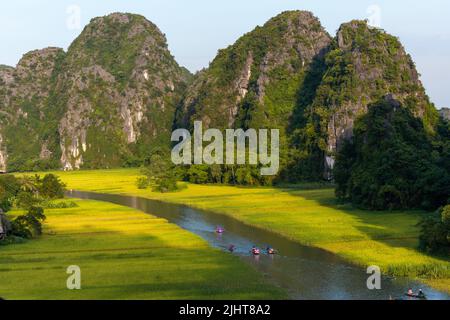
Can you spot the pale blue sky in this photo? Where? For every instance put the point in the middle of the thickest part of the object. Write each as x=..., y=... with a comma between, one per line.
x=196, y=29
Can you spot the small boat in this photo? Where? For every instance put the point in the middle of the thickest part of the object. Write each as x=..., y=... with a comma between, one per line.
x=220, y=230
x=416, y=296
x=270, y=251
x=256, y=251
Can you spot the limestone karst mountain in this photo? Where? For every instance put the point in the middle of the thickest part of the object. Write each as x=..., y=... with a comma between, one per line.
x=110, y=101
x=24, y=92
x=363, y=64
x=290, y=74
x=256, y=80
x=117, y=93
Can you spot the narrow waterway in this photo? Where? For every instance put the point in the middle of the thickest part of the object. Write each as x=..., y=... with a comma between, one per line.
x=304, y=272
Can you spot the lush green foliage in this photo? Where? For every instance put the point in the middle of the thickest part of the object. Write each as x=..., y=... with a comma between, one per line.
x=51, y=187
x=101, y=74
x=255, y=83
x=391, y=162
x=435, y=232
x=30, y=194
x=362, y=65
x=25, y=131
x=245, y=175
x=142, y=182
x=160, y=173
x=28, y=225
x=9, y=187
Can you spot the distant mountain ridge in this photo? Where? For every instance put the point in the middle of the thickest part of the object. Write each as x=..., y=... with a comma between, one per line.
x=117, y=93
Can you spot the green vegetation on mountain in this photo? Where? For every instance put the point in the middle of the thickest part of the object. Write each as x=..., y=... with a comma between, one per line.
x=113, y=99
x=107, y=102
x=29, y=139
x=119, y=88
x=363, y=65
x=391, y=162
x=254, y=83
x=435, y=233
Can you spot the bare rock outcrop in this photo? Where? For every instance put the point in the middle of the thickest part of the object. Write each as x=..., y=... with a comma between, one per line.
x=262, y=69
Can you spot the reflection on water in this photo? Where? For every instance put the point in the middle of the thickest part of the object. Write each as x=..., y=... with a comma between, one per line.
x=304, y=272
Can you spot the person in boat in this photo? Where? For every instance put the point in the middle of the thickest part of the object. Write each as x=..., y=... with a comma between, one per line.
x=220, y=229
x=421, y=295
x=255, y=250
x=270, y=250
x=410, y=292
x=231, y=248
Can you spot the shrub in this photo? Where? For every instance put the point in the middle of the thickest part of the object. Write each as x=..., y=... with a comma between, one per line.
x=435, y=232
x=161, y=173
x=51, y=187
x=166, y=185
x=26, y=200
x=392, y=163
x=142, y=183
x=28, y=225
x=9, y=187
x=61, y=205
x=198, y=174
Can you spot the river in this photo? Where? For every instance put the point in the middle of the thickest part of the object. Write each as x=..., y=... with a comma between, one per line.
x=303, y=272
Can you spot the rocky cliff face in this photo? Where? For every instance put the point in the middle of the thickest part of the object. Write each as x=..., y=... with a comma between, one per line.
x=363, y=64
x=445, y=113
x=6, y=79
x=24, y=92
x=107, y=102
x=254, y=82
x=3, y=155
x=116, y=94
x=120, y=87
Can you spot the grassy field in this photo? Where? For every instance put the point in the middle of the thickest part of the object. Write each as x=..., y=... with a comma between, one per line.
x=123, y=254
x=311, y=217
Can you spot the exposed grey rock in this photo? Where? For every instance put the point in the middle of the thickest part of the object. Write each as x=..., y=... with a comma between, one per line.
x=277, y=52
x=445, y=113
x=113, y=107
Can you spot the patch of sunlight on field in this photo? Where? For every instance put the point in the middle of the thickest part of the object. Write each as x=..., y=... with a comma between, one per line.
x=311, y=217
x=123, y=254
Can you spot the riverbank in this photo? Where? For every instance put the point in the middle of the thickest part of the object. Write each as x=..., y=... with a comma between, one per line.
x=123, y=254
x=310, y=217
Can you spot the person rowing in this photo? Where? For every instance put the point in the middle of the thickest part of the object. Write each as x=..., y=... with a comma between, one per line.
x=220, y=230
x=419, y=295
x=270, y=250
x=255, y=251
